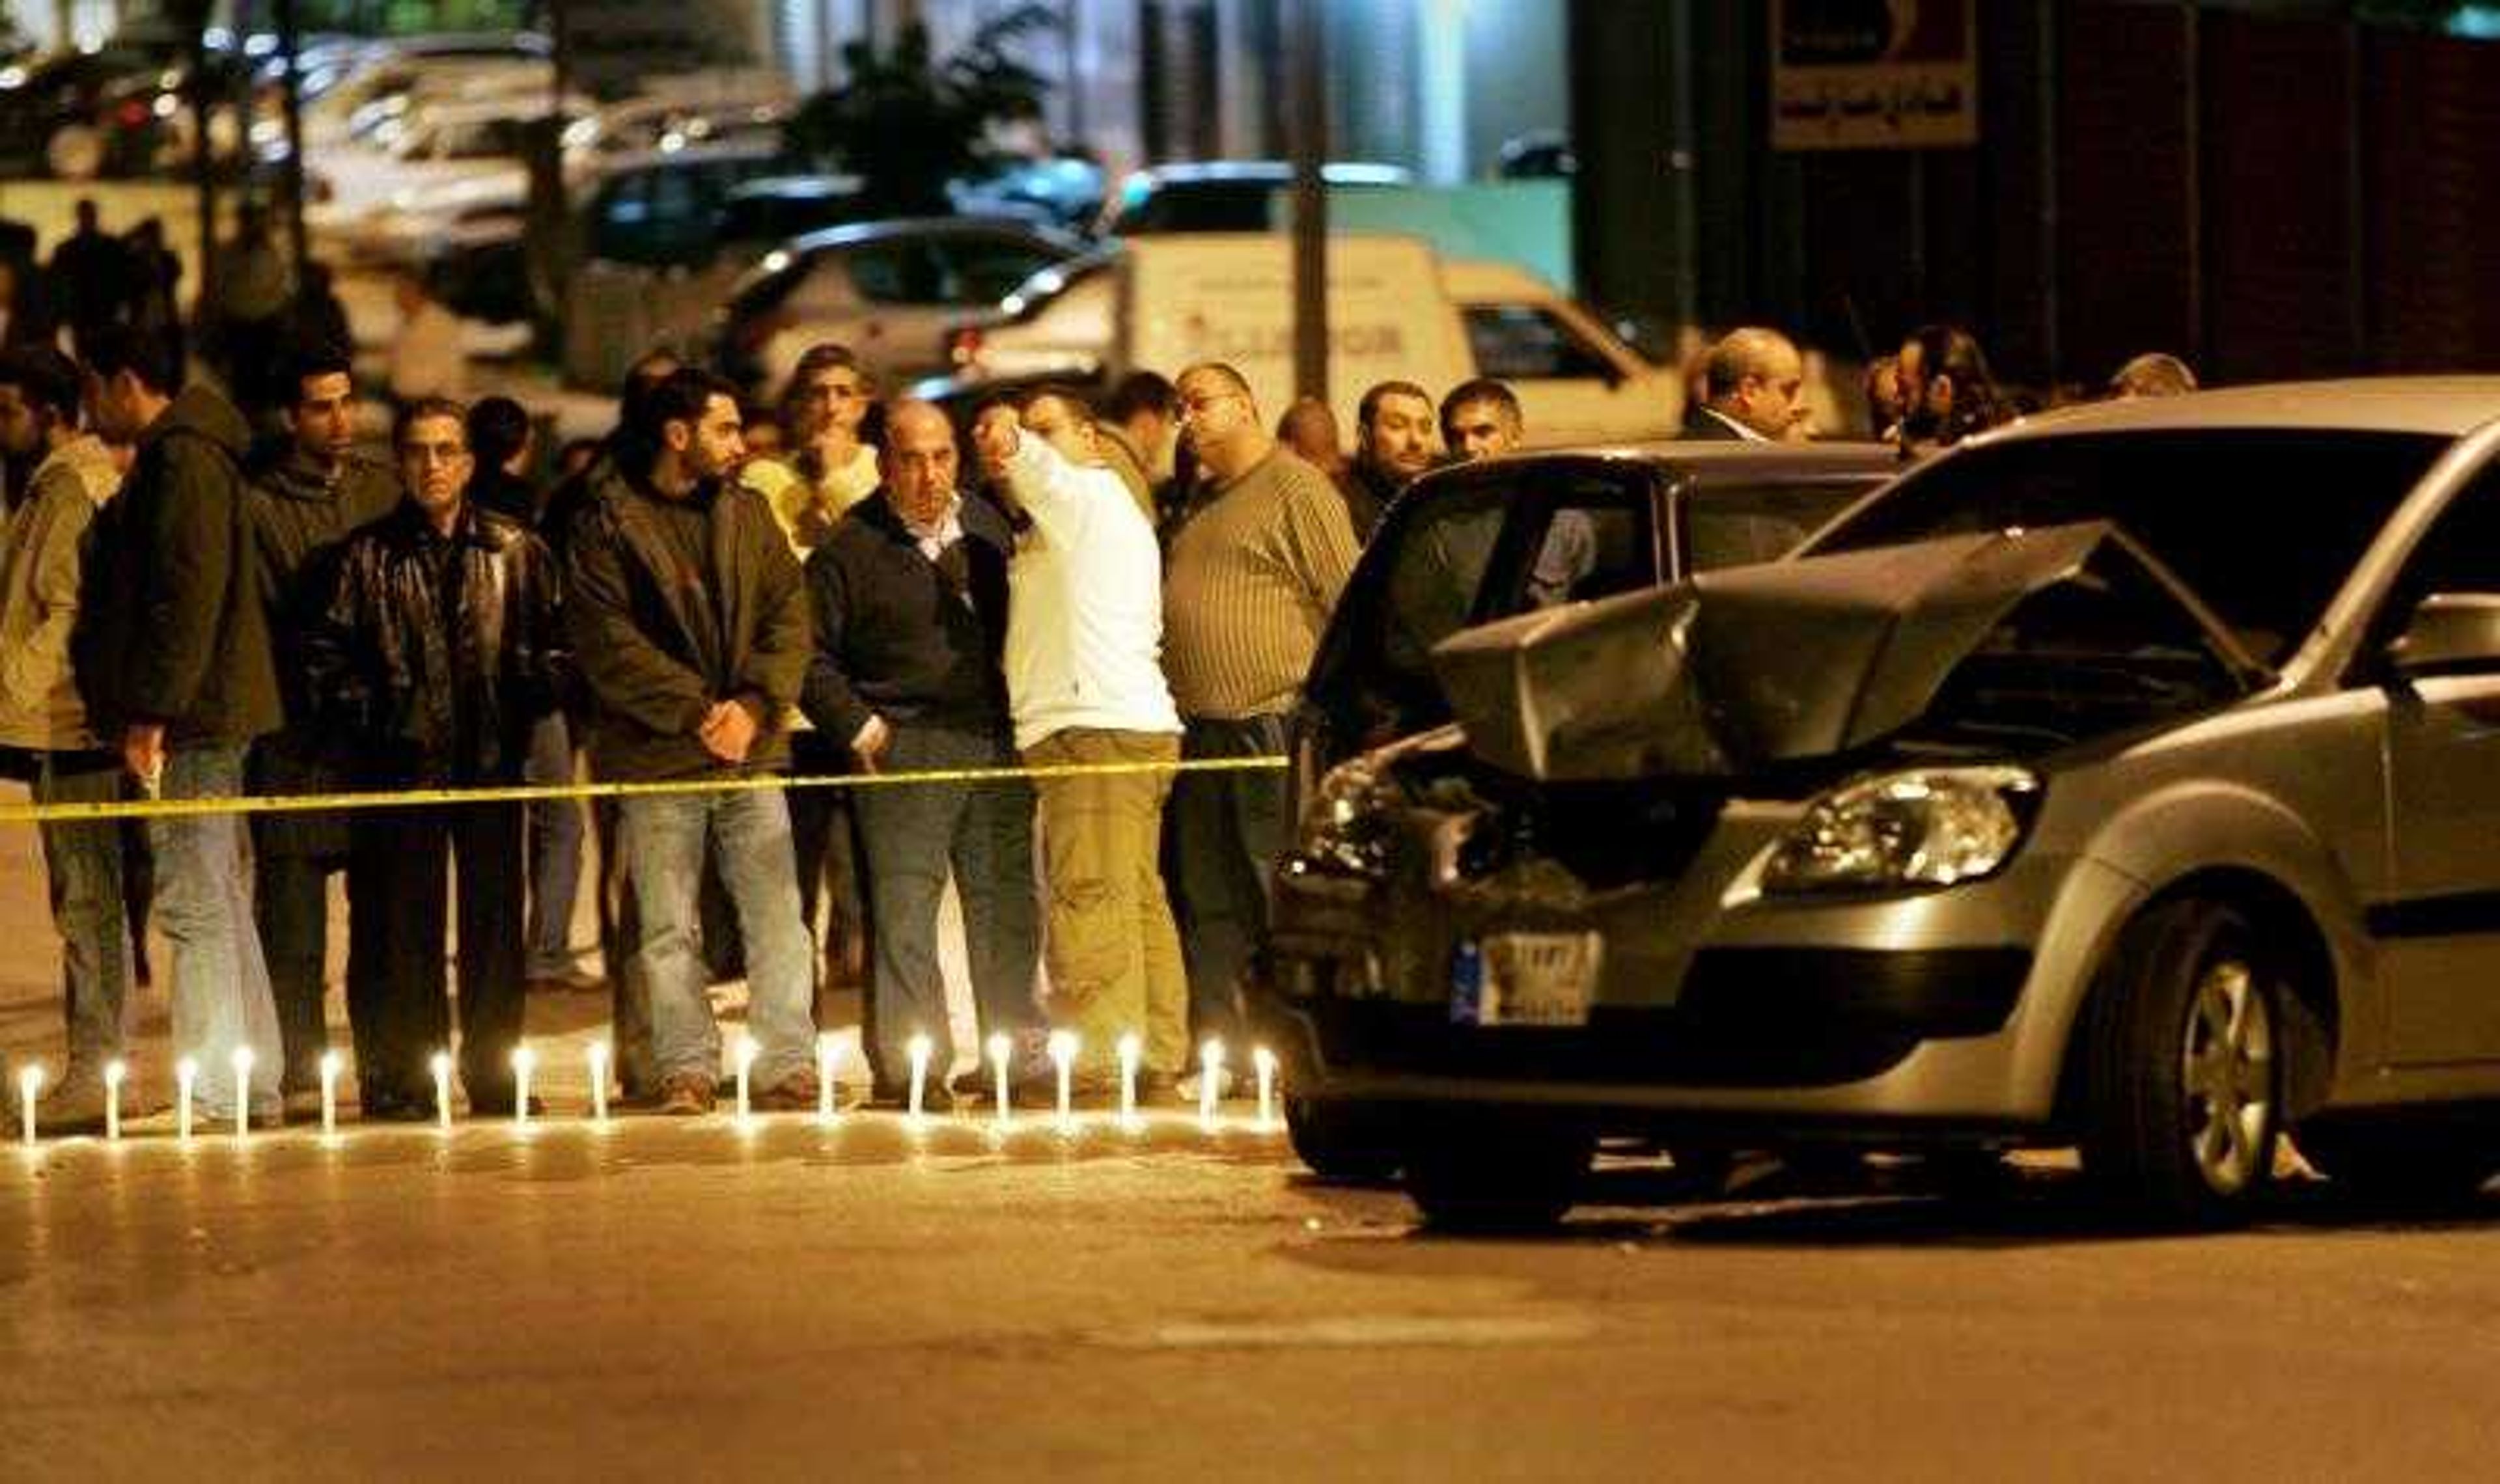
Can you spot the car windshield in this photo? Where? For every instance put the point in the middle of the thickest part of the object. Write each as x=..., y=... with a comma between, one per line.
x=1735, y=525
x=2261, y=526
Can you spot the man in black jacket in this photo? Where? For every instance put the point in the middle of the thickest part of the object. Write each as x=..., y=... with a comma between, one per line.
x=309, y=490
x=437, y=653
x=911, y=601
x=175, y=662
x=690, y=624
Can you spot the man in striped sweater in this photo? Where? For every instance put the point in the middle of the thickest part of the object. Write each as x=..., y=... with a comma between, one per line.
x=1248, y=585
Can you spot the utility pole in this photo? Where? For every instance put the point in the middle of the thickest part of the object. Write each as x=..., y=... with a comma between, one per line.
x=289, y=38
x=1307, y=83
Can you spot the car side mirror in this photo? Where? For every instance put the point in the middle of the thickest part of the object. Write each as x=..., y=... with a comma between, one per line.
x=2449, y=632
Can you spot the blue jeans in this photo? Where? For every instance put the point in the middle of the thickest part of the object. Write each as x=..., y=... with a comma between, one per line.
x=82, y=872
x=555, y=851
x=221, y=997
x=913, y=834
x=747, y=833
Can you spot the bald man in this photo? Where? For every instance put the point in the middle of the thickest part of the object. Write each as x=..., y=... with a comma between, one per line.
x=1752, y=387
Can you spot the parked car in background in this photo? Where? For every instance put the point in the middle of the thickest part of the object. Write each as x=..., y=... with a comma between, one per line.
x=884, y=289
x=1223, y=195
x=2123, y=779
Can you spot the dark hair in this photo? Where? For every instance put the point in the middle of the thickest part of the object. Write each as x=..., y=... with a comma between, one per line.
x=153, y=358
x=1140, y=391
x=815, y=359
x=641, y=379
x=680, y=397
x=1373, y=399
x=424, y=408
x=1481, y=389
x=309, y=355
x=497, y=428
x=1949, y=351
x=44, y=377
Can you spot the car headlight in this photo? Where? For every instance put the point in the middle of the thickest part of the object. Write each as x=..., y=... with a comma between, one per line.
x=1924, y=827
x=1345, y=828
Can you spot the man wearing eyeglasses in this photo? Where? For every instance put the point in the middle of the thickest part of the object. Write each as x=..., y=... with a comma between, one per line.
x=910, y=599
x=1252, y=577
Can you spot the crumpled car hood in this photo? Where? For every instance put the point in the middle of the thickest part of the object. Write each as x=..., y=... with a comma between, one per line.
x=1733, y=671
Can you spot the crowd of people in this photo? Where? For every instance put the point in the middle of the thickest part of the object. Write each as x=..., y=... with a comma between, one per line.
x=192, y=608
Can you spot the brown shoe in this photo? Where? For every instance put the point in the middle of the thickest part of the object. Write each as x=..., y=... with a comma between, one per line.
x=685, y=1095
x=796, y=1093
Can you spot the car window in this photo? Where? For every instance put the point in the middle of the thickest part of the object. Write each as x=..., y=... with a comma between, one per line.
x=2460, y=553
x=1738, y=525
x=897, y=271
x=2263, y=526
x=983, y=270
x=1528, y=343
x=1501, y=544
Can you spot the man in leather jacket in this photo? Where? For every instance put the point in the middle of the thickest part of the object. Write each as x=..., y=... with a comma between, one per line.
x=442, y=646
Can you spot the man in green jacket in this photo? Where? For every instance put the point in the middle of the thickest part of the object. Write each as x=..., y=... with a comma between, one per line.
x=690, y=626
x=310, y=489
x=175, y=668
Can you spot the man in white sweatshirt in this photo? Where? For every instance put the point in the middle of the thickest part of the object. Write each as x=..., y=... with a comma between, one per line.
x=1085, y=685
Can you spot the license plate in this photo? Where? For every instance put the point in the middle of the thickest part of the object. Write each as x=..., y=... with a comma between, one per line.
x=1529, y=979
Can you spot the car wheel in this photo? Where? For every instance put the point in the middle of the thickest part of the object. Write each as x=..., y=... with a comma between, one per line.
x=76, y=152
x=2183, y=1074
x=1497, y=1174
x=2424, y=1165
x=1342, y=1140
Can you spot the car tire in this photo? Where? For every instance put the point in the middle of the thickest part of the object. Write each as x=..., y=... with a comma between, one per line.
x=2182, y=1073
x=1356, y=1142
x=1497, y=1173
x=2407, y=1165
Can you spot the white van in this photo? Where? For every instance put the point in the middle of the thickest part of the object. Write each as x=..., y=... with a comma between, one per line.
x=1397, y=310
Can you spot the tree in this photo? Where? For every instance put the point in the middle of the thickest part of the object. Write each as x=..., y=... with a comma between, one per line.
x=906, y=123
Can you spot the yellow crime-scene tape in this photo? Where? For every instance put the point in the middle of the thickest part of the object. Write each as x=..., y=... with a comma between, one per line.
x=527, y=793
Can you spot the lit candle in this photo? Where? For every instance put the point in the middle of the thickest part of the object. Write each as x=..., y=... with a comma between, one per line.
x=523, y=1060
x=242, y=1091
x=114, y=1071
x=746, y=1058
x=1130, y=1051
x=329, y=1095
x=441, y=1064
x=596, y=1055
x=186, y=1075
x=1210, y=1065
x=30, y=1083
x=1001, y=1049
x=1063, y=1060
x=826, y=1049
x=918, y=1048
x=1266, y=1060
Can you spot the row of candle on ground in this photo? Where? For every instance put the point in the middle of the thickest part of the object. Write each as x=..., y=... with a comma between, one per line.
x=1062, y=1045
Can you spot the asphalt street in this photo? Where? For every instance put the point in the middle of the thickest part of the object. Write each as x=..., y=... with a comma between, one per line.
x=875, y=1299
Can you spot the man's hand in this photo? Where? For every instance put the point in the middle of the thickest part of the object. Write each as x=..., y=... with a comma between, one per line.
x=995, y=437
x=728, y=731
x=142, y=752
x=869, y=746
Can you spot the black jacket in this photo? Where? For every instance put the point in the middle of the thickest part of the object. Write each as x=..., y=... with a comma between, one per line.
x=435, y=654
x=657, y=651
x=1699, y=426
x=894, y=635
x=175, y=630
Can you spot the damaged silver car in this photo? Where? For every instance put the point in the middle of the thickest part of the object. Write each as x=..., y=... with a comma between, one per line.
x=2127, y=779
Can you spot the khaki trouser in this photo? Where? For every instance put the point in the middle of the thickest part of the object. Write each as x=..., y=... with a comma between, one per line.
x=1115, y=955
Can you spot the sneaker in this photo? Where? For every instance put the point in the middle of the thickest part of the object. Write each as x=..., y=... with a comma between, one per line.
x=686, y=1095
x=796, y=1093
x=566, y=980
x=1186, y=1089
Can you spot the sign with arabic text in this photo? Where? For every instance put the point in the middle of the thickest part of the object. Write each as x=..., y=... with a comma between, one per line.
x=1874, y=73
